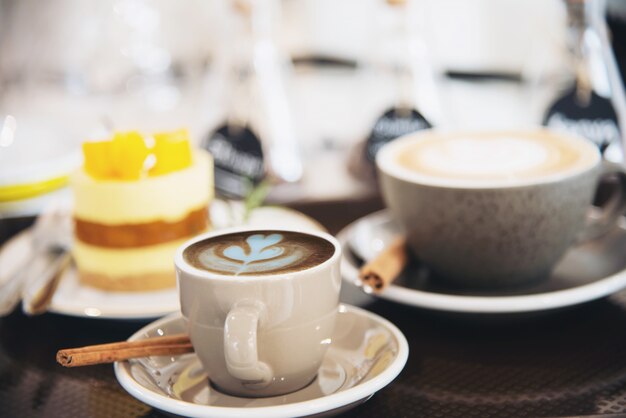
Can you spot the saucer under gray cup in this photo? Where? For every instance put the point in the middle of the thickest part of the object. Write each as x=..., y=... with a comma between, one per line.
x=260, y=332
x=497, y=232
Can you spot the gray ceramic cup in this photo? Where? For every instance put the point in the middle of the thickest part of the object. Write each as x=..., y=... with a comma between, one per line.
x=488, y=237
x=263, y=335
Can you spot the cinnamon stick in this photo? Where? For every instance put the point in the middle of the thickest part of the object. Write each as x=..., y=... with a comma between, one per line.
x=381, y=271
x=108, y=353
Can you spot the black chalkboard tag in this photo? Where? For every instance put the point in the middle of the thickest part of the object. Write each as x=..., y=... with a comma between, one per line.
x=394, y=123
x=593, y=118
x=238, y=159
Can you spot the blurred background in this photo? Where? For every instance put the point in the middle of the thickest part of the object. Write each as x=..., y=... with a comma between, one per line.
x=319, y=83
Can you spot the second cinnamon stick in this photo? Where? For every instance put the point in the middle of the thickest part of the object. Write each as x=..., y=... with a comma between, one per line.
x=381, y=271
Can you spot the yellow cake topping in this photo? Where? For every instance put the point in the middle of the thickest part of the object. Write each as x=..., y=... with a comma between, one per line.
x=172, y=152
x=96, y=156
x=128, y=153
x=125, y=156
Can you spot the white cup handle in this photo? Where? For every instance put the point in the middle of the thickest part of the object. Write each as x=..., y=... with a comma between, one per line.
x=240, y=344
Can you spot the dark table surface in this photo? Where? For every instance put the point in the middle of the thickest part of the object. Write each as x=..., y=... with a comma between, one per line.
x=565, y=363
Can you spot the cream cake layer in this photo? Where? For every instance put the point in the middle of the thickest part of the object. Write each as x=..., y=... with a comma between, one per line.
x=133, y=283
x=114, y=263
x=168, y=197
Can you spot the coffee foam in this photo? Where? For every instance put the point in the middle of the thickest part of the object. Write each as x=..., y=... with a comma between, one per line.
x=258, y=253
x=487, y=159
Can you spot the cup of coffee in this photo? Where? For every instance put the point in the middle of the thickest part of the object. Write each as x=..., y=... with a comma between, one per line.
x=492, y=209
x=260, y=306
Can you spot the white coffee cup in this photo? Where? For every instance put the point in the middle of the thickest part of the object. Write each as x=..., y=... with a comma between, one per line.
x=260, y=334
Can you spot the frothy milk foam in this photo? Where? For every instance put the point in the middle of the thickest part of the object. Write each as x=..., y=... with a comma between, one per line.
x=484, y=159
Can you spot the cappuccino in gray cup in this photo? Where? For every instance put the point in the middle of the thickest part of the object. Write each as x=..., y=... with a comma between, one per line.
x=497, y=208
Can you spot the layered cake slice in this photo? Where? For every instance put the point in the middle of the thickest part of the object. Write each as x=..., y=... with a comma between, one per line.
x=136, y=200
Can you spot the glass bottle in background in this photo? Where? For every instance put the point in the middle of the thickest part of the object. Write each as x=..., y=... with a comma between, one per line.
x=616, y=21
x=399, y=50
x=584, y=107
x=256, y=136
x=603, y=20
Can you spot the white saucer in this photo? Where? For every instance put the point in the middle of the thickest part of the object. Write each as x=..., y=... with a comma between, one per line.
x=366, y=354
x=588, y=271
x=75, y=299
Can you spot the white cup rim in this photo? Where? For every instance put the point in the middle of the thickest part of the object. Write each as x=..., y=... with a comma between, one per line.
x=387, y=153
x=180, y=263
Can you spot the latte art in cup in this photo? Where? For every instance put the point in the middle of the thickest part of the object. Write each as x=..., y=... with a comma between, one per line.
x=259, y=253
x=482, y=159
